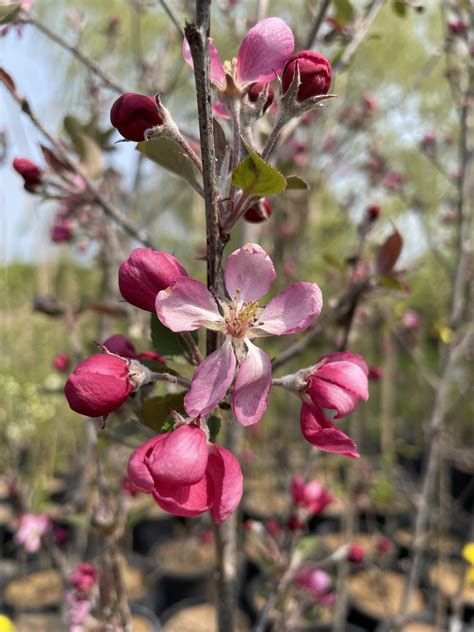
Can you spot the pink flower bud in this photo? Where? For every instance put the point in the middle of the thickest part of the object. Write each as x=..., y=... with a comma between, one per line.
x=315, y=74
x=384, y=545
x=84, y=577
x=428, y=142
x=372, y=212
x=61, y=362
x=259, y=212
x=256, y=89
x=375, y=373
x=99, y=385
x=317, y=583
x=121, y=346
x=339, y=382
x=62, y=231
x=369, y=103
x=355, y=554
x=31, y=173
x=273, y=528
x=145, y=273
x=132, y=114
x=180, y=457
x=312, y=496
x=151, y=355
x=457, y=27
x=411, y=320
x=295, y=523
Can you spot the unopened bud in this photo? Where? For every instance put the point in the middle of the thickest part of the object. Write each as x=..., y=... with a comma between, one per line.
x=315, y=74
x=132, y=114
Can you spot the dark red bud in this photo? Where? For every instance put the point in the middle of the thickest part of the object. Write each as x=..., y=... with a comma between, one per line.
x=132, y=114
x=255, y=91
x=259, y=212
x=355, y=554
x=31, y=173
x=145, y=273
x=121, y=346
x=372, y=212
x=98, y=386
x=315, y=74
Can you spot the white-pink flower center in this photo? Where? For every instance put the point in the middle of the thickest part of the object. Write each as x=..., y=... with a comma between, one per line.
x=240, y=318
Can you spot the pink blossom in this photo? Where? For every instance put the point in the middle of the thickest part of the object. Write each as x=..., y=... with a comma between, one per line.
x=32, y=528
x=312, y=496
x=61, y=361
x=187, y=475
x=411, y=320
x=317, y=583
x=262, y=54
x=187, y=305
x=338, y=382
x=375, y=373
x=129, y=488
x=384, y=545
x=84, y=577
x=79, y=608
x=370, y=104
x=62, y=230
x=393, y=181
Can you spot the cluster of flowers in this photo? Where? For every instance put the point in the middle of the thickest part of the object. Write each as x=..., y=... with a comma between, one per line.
x=75, y=205
x=186, y=474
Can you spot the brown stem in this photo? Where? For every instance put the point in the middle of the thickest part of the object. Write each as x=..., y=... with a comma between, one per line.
x=318, y=20
x=198, y=38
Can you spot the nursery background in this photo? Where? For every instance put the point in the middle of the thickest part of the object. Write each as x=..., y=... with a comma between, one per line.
x=378, y=215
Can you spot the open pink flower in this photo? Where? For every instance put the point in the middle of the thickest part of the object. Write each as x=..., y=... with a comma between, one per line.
x=188, y=305
x=262, y=54
x=339, y=381
x=31, y=529
x=317, y=583
x=312, y=496
x=187, y=475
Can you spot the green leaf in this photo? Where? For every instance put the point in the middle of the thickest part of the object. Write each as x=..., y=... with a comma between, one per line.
x=214, y=425
x=296, y=183
x=400, y=8
x=9, y=12
x=168, y=154
x=391, y=283
x=344, y=11
x=256, y=177
x=86, y=147
x=334, y=262
x=165, y=341
x=155, y=412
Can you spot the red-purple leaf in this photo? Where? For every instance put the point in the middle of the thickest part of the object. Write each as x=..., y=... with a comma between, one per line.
x=7, y=80
x=388, y=253
x=53, y=161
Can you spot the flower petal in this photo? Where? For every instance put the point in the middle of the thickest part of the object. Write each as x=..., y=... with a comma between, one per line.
x=252, y=385
x=186, y=305
x=211, y=381
x=181, y=457
x=322, y=433
x=249, y=270
x=264, y=51
x=138, y=472
x=185, y=500
x=224, y=470
x=337, y=356
x=217, y=69
x=292, y=310
x=220, y=110
x=347, y=375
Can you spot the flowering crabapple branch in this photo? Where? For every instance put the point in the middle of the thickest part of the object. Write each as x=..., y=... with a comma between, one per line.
x=108, y=207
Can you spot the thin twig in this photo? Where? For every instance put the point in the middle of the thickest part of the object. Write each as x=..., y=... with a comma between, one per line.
x=360, y=34
x=77, y=52
x=318, y=20
x=172, y=16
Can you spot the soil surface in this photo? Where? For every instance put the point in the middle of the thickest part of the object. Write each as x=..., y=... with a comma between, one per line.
x=379, y=593
x=135, y=582
x=34, y=591
x=449, y=576
x=185, y=556
x=366, y=541
x=445, y=544
x=200, y=618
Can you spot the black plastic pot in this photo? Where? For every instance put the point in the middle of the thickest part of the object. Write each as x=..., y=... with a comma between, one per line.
x=145, y=613
x=462, y=484
x=149, y=532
